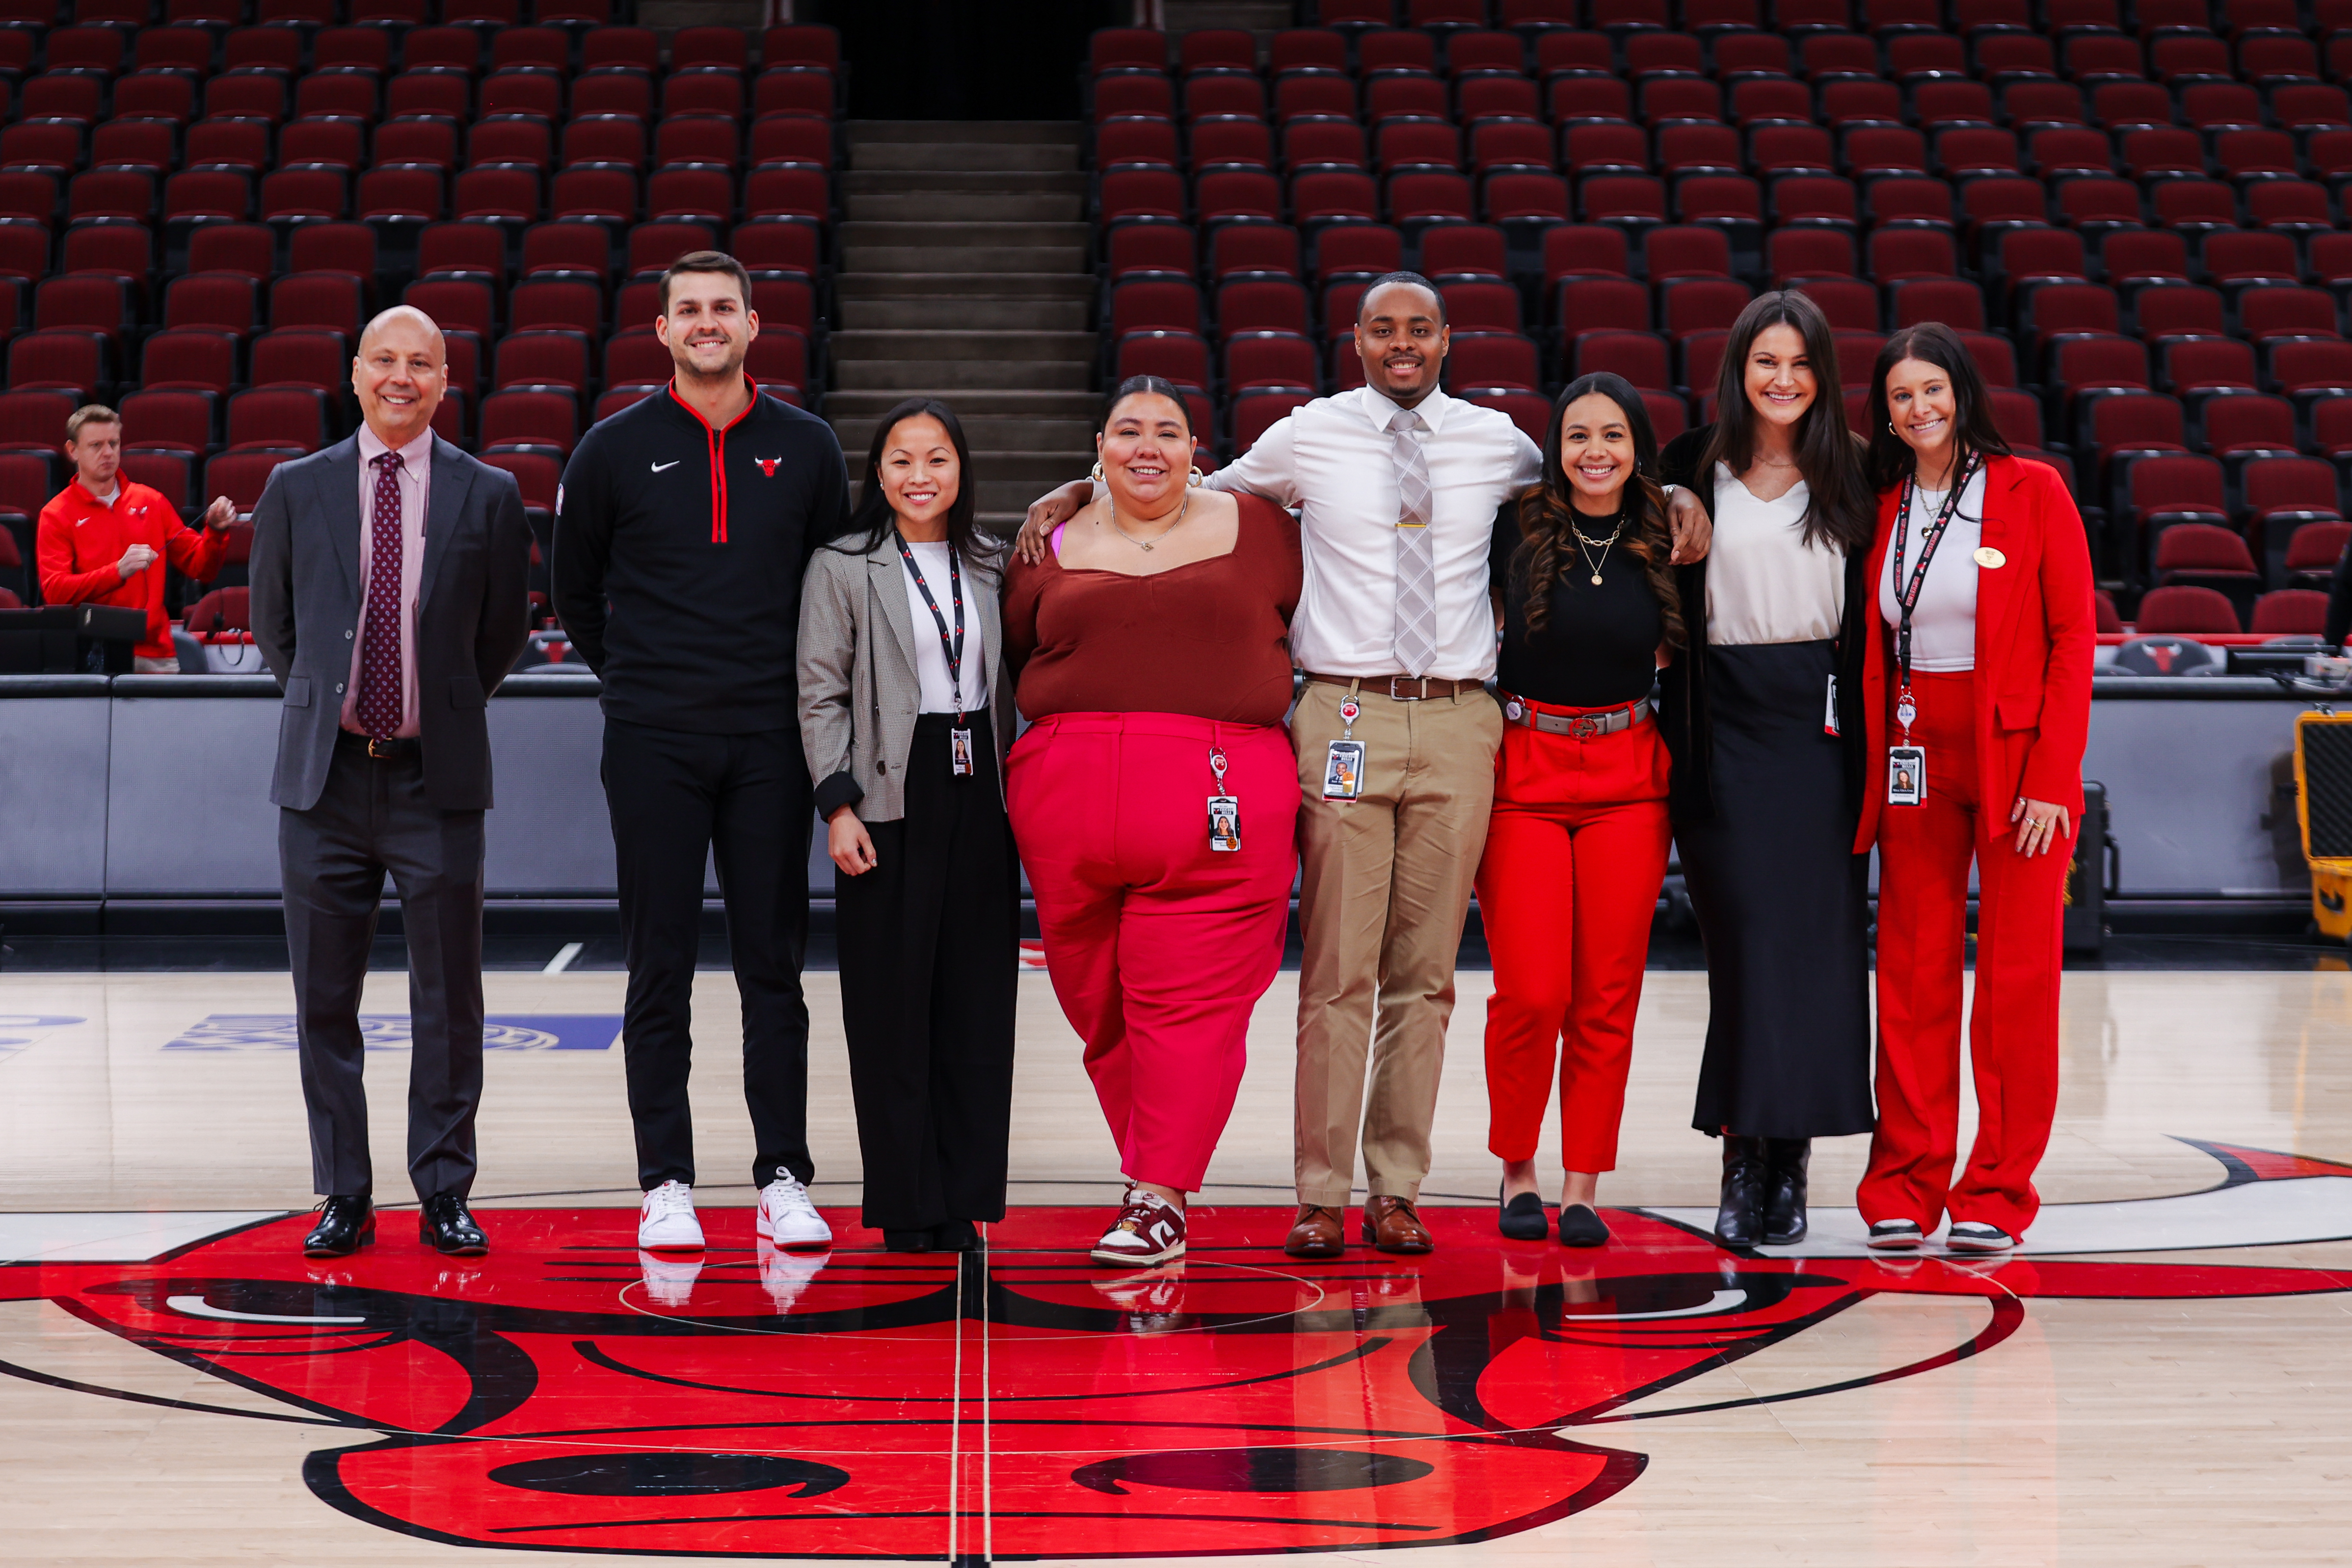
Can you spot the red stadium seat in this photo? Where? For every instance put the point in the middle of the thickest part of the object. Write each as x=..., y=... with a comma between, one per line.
x=278, y=417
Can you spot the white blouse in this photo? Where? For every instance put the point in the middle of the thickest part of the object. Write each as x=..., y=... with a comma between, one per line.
x=1944, y=621
x=931, y=658
x=1764, y=582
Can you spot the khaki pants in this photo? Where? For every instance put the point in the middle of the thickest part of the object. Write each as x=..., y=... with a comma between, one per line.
x=1384, y=885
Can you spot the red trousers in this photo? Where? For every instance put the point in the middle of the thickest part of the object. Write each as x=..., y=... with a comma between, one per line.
x=1575, y=854
x=1157, y=946
x=1924, y=853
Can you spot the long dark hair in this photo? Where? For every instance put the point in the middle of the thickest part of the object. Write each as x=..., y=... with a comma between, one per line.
x=1547, y=507
x=1840, y=513
x=871, y=523
x=1891, y=457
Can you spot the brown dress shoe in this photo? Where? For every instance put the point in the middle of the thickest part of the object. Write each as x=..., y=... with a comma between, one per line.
x=1391, y=1226
x=1319, y=1233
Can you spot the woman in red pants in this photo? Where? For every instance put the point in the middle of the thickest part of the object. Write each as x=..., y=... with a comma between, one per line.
x=1155, y=798
x=1978, y=699
x=1576, y=848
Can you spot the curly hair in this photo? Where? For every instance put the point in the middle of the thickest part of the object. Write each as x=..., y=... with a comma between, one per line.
x=1547, y=513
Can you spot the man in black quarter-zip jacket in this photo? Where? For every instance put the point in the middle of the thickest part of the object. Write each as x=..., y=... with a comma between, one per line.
x=682, y=528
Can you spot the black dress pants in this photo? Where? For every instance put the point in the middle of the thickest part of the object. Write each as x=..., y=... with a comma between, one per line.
x=373, y=817
x=676, y=796
x=929, y=942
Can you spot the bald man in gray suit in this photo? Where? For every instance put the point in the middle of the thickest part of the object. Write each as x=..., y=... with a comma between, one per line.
x=389, y=599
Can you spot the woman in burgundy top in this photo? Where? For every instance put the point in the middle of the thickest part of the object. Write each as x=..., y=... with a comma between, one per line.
x=1154, y=795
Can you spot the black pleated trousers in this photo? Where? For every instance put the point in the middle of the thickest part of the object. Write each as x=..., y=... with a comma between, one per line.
x=930, y=943
x=678, y=798
x=1783, y=905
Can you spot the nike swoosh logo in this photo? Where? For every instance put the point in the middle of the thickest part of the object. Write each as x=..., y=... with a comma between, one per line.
x=660, y=468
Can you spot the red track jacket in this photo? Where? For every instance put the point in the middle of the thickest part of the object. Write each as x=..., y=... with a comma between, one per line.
x=81, y=538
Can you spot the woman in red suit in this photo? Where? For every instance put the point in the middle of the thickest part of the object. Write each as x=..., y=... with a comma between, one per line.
x=1978, y=701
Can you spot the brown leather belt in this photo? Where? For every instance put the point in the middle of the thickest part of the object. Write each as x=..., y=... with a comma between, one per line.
x=395, y=748
x=1403, y=688
x=1580, y=726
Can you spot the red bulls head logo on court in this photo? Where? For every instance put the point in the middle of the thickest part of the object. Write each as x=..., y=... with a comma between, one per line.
x=569, y=1393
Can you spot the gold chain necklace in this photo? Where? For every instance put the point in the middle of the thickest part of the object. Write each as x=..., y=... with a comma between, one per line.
x=1145, y=545
x=1585, y=545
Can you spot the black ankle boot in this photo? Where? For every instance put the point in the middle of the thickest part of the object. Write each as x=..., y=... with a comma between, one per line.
x=1784, y=1190
x=1740, y=1222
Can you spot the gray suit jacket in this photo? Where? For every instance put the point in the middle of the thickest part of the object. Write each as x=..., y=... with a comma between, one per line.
x=473, y=613
x=860, y=692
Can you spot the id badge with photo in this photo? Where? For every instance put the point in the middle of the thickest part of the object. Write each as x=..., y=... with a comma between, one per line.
x=1343, y=770
x=959, y=750
x=1906, y=776
x=1224, y=823
x=1829, y=714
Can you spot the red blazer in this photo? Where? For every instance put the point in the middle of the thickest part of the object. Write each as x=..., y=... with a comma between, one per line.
x=2036, y=627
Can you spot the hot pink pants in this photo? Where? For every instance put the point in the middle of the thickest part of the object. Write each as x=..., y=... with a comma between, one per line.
x=1157, y=946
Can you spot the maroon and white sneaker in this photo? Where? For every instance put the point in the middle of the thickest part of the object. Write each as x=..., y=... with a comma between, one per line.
x=1150, y=1230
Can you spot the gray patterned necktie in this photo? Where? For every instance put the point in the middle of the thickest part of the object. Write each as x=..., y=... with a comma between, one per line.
x=1415, y=640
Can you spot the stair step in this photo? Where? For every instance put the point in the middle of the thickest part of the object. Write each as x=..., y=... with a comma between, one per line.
x=1060, y=132
x=949, y=378
x=990, y=433
x=1075, y=347
x=855, y=181
x=859, y=232
x=991, y=260
x=1061, y=285
x=1019, y=157
x=946, y=313
x=966, y=206
x=984, y=402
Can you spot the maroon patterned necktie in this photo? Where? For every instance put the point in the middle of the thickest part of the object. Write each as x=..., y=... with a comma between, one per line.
x=379, y=696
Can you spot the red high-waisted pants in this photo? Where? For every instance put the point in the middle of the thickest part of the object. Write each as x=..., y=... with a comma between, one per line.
x=1575, y=854
x=1923, y=853
x=1157, y=946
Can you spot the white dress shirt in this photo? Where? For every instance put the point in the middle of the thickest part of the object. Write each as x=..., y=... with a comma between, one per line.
x=1764, y=582
x=930, y=656
x=1332, y=460
x=1943, y=620
x=414, y=475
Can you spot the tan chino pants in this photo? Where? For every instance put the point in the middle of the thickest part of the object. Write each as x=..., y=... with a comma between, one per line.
x=1384, y=887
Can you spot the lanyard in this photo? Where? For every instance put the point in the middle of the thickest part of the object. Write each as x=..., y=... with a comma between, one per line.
x=1906, y=593
x=952, y=646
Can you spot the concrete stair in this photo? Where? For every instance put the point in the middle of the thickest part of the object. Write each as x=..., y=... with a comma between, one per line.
x=964, y=276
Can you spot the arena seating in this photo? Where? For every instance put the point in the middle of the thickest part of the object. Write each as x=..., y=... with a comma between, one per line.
x=2135, y=213
x=199, y=209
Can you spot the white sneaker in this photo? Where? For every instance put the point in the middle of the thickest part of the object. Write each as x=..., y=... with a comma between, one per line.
x=1150, y=1230
x=787, y=1217
x=1971, y=1236
x=1895, y=1235
x=666, y=1222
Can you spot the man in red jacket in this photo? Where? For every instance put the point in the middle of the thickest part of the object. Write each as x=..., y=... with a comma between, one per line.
x=102, y=536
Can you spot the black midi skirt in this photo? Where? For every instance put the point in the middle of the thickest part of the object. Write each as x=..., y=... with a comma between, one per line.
x=1783, y=905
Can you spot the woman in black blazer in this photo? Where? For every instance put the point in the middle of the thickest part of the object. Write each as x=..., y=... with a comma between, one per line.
x=1762, y=719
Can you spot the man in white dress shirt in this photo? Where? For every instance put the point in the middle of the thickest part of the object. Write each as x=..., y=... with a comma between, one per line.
x=1396, y=486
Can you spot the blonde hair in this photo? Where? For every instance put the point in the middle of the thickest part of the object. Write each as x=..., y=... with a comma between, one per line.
x=88, y=413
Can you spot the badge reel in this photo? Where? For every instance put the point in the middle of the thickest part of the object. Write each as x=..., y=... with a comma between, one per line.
x=1907, y=765
x=1343, y=770
x=1224, y=810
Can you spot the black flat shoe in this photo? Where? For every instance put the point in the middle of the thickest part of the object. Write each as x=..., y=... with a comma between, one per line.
x=1785, y=1160
x=956, y=1236
x=1580, y=1225
x=346, y=1224
x=1522, y=1219
x=444, y=1226
x=922, y=1241
x=1738, y=1218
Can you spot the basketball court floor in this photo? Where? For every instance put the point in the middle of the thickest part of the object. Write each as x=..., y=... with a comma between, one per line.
x=2163, y=1377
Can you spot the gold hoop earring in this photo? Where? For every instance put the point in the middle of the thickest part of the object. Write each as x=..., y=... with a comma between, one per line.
x=1197, y=476
x=1097, y=474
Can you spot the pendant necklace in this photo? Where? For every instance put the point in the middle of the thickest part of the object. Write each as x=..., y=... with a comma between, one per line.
x=1586, y=544
x=1145, y=545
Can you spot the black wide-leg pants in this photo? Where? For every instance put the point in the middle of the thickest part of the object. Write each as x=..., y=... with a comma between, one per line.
x=929, y=952
x=677, y=798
